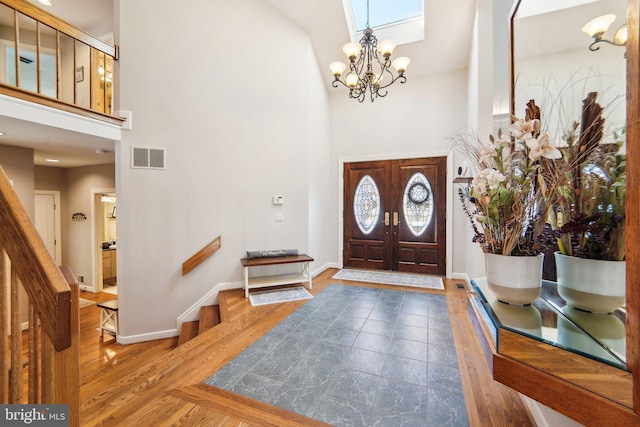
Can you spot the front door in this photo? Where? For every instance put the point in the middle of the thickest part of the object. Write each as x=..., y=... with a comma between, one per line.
x=394, y=217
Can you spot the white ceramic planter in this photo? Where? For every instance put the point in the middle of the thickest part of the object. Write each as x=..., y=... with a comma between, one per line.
x=591, y=284
x=514, y=279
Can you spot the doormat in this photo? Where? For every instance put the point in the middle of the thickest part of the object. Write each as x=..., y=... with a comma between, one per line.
x=275, y=296
x=85, y=302
x=383, y=277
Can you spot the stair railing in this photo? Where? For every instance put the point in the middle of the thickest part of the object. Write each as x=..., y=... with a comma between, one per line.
x=26, y=267
x=204, y=253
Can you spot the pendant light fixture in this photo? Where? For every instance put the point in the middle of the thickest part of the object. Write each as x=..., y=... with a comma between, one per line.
x=369, y=69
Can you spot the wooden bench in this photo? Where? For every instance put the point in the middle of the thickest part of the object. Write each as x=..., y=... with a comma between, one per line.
x=264, y=281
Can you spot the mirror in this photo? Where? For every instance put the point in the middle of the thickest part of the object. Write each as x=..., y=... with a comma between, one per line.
x=555, y=66
x=552, y=63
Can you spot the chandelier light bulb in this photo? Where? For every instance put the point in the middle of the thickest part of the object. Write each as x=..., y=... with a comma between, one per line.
x=386, y=47
x=401, y=64
x=351, y=81
x=337, y=68
x=352, y=50
x=621, y=35
x=598, y=26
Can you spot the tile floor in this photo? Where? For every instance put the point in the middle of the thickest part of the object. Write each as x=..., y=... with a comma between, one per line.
x=357, y=356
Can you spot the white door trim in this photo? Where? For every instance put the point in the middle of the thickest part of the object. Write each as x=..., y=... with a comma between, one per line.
x=97, y=224
x=57, y=222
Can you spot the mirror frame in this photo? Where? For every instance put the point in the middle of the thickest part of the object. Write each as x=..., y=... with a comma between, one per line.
x=573, y=401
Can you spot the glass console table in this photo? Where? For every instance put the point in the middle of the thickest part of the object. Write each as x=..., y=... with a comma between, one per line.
x=549, y=320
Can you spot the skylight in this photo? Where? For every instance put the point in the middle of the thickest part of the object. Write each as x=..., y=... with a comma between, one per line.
x=401, y=20
x=384, y=12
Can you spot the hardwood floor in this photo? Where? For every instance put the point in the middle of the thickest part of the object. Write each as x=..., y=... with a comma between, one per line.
x=155, y=383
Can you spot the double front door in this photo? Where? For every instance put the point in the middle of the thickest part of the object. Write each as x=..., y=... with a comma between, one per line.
x=394, y=215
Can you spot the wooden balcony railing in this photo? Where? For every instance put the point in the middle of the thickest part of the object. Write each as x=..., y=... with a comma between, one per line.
x=54, y=358
x=44, y=59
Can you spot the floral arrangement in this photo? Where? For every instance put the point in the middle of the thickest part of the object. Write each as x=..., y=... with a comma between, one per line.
x=509, y=196
x=588, y=213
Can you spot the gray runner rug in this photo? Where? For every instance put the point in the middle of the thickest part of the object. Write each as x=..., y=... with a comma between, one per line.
x=388, y=278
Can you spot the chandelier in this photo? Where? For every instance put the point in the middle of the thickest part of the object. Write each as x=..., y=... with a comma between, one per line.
x=369, y=66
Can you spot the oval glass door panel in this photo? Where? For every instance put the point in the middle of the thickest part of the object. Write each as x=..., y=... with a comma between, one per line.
x=418, y=203
x=366, y=204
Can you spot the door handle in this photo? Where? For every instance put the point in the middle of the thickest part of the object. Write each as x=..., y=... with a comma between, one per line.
x=395, y=219
x=386, y=218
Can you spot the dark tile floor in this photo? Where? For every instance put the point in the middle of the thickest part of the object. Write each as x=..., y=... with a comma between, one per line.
x=357, y=356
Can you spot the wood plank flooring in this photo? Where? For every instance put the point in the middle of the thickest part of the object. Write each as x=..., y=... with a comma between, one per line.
x=155, y=383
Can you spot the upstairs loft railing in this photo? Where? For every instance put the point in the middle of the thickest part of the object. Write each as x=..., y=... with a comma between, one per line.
x=45, y=60
x=26, y=267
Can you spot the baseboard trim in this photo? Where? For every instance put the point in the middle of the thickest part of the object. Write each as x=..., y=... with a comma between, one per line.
x=462, y=276
x=318, y=271
x=151, y=336
x=210, y=298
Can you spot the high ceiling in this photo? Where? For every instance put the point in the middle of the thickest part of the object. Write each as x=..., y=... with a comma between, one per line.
x=448, y=32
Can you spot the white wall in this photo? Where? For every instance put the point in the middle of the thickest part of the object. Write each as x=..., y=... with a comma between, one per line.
x=415, y=119
x=237, y=122
x=560, y=81
x=78, y=248
x=480, y=110
x=321, y=194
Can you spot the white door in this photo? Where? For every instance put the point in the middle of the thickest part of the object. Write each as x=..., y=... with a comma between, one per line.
x=47, y=224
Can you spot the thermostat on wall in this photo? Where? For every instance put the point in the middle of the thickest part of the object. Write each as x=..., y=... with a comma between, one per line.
x=278, y=200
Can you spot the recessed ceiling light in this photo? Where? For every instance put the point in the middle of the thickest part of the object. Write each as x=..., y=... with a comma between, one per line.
x=101, y=151
x=1, y=133
x=52, y=160
x=45, y=2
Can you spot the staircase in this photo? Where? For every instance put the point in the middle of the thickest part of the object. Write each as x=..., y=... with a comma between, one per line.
x=210, y=316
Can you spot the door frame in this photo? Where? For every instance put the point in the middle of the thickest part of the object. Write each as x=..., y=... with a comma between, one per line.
x=56, y=221
x=97, y=225
x=449, y=192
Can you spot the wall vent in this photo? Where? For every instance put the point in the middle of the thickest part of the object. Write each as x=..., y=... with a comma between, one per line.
x=147, y=158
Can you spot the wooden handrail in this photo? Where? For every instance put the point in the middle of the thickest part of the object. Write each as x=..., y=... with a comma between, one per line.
x=54, y=326
x=42, y=279
x=54, y=22
x=90, y=94
x=201, y=255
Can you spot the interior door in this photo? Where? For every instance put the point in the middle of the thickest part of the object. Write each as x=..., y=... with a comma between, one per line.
x=394, y=215
x=45, y=221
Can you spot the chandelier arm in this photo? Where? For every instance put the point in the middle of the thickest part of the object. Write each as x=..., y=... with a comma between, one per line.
x=593, y=47
x=400, y=78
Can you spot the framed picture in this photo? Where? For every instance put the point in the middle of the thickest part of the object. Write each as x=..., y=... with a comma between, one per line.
x=80, y=74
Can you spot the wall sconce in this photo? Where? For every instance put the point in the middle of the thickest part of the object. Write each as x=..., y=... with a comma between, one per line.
x=596, y=28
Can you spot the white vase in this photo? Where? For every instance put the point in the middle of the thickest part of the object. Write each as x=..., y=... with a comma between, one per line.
x=593, y=285
x=514, y=279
